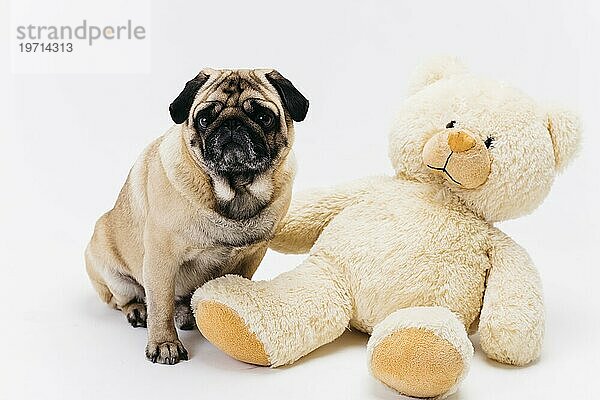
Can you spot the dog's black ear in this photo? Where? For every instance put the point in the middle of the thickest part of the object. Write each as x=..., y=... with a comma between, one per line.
x=295, y=103
x=180, y=107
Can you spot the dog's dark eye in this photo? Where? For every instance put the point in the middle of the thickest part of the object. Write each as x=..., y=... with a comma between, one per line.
x=203, y=122
x=450, y=124
x=488, y=142
x=266, y=120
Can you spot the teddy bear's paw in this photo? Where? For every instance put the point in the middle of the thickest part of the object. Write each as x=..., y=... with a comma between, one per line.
x=512, y=341
x=224, y=328
x=416, y=362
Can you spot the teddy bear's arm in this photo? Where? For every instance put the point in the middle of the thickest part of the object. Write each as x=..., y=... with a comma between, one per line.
x=311, y=211
x=511, y=323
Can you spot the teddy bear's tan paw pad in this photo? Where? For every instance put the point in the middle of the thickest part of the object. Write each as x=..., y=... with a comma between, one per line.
x=416, y=362
x=224, y=328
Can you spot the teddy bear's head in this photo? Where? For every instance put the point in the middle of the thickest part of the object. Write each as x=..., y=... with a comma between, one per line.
x=490, y=144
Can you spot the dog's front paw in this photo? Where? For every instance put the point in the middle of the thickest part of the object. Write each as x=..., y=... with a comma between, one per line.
x=166, y=352
x=184, y=317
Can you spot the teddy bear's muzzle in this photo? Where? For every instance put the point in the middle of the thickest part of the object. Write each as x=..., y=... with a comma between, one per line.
x=462, y=159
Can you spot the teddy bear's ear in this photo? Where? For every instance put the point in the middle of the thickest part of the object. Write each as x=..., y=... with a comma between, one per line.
x=435, y=69
x=565, y=129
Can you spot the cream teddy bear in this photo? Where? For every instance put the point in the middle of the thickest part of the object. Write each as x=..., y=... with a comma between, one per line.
x=413, y=259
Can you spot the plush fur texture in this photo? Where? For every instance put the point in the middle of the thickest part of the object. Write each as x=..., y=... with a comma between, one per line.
x=417, y=253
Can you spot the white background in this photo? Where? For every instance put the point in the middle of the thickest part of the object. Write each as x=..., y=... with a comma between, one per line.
x=68, y=141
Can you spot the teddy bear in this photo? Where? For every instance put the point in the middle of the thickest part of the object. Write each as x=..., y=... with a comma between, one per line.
x=413, y=259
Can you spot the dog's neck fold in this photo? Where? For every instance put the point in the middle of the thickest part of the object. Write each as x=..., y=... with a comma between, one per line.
x=183, y=172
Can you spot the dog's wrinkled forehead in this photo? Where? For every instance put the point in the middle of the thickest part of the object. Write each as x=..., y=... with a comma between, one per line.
x=233, y=88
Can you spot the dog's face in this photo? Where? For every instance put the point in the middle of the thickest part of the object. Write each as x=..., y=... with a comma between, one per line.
x=240, y=120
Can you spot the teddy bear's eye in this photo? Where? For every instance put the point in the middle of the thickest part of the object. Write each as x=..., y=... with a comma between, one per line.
x=488, y=142
x=450, y=124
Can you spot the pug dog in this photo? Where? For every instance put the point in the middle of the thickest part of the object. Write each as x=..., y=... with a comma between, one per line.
x=201, y=201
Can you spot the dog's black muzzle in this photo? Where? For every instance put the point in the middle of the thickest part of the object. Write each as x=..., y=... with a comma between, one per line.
x=236, y=147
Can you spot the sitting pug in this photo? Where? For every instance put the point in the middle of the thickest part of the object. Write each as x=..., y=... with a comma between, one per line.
x=200, y=202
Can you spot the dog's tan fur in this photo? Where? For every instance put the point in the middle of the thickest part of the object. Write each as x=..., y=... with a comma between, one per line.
x=165, y=236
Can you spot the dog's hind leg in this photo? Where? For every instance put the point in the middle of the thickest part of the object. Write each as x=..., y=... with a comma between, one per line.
x=97, y=281
x=129, y=297
x=118, y=290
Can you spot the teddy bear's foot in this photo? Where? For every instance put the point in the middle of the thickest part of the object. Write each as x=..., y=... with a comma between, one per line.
x=420, y=351
x=417, y=363
x=224, y=328
x=278, y=321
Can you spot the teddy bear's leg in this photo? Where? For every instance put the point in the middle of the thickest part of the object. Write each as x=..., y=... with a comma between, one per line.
x=420, y=351
x=275, y=322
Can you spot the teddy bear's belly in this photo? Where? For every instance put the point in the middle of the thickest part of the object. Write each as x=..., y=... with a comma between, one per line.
x=408, y=256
